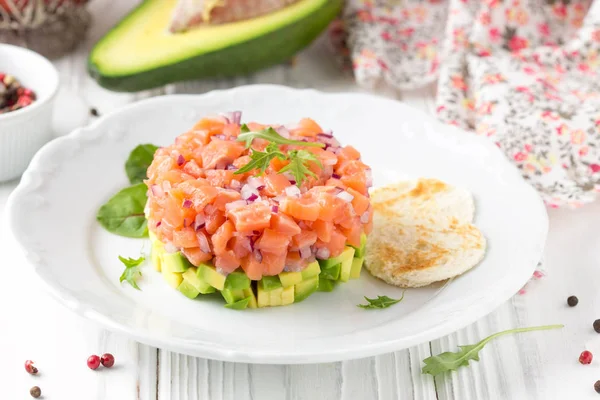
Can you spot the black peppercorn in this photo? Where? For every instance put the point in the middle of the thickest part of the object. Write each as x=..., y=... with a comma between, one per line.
x=35, y=392
x=572, y=301
x=597, y=325
x=597, y=386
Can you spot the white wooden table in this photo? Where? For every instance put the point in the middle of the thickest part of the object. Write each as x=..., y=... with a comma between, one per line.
x=526, y=366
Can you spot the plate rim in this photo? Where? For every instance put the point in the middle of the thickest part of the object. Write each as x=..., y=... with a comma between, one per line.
x=208, y=350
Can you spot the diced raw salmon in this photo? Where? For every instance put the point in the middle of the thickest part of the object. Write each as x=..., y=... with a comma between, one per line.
x=255, y=216
x=272, y=242
x=359, y=202
x=220, y=153
x=273, y=263
x=221, y=237
x=219, y=177
x=284, y=224
x=196, y=256
x=275, y=184
x=224, y=197
x=300, y=208
x=323, y=229
x=307, y=127
x=240, y=246
x=227, y=261
x=253, y=268
x=304, y=239
x=185, y=237
x=214, y=220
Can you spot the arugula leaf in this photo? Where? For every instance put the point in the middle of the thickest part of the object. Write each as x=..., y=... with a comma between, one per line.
x=261, y=160
x=138, y=162
x=123, y=214
x=132, y=270
x=272, y=136
x=450, y=361
x=380, y=302
x=299, y=160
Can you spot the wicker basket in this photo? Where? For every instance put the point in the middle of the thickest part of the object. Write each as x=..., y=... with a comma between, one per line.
x=50, y=27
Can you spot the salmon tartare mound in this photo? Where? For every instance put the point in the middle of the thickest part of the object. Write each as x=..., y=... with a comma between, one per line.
x=257, y=202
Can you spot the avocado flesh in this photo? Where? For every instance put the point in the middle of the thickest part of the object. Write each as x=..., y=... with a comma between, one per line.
x=188, y=290
x=174, y=262
x=346, y=268
x=174, y=279
x=360, y=251
x=139, y=53
x=233, y=295
x=290, y=278
x=249, y=293
x=268, y=283
x=326, y=285
x=305, y=288
x=192, y=278
x=156, y=253
x=237, y=281
x=209, y=274
x=348, y=253
x=313, y=269
x=332, y=272
x=357, y=264
x=240, y=304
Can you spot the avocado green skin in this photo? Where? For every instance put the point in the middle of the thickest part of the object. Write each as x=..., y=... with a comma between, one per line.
x=269, y=49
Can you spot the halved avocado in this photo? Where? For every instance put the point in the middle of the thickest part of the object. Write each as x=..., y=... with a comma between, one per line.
x=139, y=53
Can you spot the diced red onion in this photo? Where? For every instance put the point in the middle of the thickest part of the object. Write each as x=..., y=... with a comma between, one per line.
x=252, y=197
x=222, y=271
x=275, y=209
x=260, y=187
x=258, y=255
x=294, y=268
x=336, y=190
x=336, y=176
x=247, y=191
x=158, y=224
x=277, y=199
x=203, y=242
x=255, y=182
x=305, y=252
x=232, y=167
x=292, y=191
x=323, y=253
x=166, y=185
x=347, y=197
x=234, y=117
x=157, y=190
x=187, y=203
x=364, y=218
x=200, y=222
x=329, y=140
x=221, y=137
x=283, y=131
x=235, y=204
x=323, y=134
x=170, y=248
x=180, y=160
x=327, y=170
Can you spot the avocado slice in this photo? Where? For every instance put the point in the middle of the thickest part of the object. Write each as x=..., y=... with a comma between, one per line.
x=156, y=254
x=174, y=262
x=268, y=283
x=249, y=293
x=188, y=289
x=360, y=251
x=305, y=288
x=237, y=281
x=290, y=278
x=357, y=264
x=209, y=274
x=348, y=253
x=313, y=269
x=139, y=53
x=332, y=272
x=174, y=279
x=192, y=278
x=233, y=295
x=240, y=304
x=276, y=297
x=287, y=296
x=262, y=297
x=346, y=268
x=326, y=285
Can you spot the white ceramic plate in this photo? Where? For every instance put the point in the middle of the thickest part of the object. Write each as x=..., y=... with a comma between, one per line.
x=52, y=215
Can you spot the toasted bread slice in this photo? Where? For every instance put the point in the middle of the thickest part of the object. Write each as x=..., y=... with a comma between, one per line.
x=422, y=233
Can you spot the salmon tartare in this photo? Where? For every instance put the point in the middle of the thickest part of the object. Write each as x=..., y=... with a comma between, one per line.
x=266, y=214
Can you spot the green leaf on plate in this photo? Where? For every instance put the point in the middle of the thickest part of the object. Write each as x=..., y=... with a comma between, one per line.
x=123, y=214
x=381, y=302
x=132, y=270
x=138, y=162
x=450, y=361
x=272, y=136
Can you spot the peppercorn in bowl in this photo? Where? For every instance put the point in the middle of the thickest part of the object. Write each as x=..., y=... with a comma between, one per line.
x=29, y=83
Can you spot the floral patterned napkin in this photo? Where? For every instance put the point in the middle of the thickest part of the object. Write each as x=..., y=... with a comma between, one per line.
x=522, y=72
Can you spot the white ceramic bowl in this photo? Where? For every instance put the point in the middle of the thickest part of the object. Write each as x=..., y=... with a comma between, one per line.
x=25, y=131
